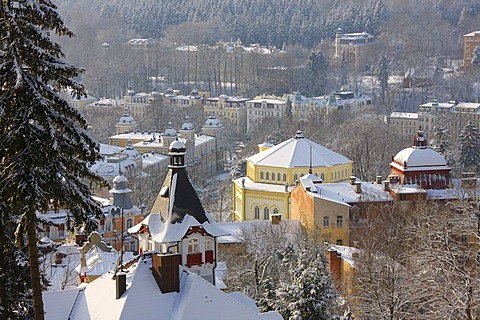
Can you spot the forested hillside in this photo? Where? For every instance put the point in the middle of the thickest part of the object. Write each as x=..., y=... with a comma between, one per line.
x=280, y=22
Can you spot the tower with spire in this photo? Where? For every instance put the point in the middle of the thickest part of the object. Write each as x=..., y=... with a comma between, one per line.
x=178, y=222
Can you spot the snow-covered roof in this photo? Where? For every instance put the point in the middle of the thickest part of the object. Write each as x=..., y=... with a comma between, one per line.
x=108, y=150
x=151, y=158
x=344, y=193
x=472, y=34
x=294, y=153
x=405, y=115
x=144, y=300
x=212, y=121
x=236, y=230
x=272, y=101
x=420, y=158
x=248, y=184
x=347, y=253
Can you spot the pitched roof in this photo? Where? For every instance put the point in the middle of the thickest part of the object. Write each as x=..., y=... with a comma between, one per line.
x=144, y=300
x=295, y=152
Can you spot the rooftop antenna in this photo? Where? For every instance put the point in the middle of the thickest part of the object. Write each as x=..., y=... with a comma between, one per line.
x=310, y=168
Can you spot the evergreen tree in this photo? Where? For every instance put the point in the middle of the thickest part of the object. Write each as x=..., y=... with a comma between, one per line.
x=15, y=293
x=317, y=66
x=382, y=72
x=439, y=141
x=307, y=291
x=469, y=147
x=45, y=148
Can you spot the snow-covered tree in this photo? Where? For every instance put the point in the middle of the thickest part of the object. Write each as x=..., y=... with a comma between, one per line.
x=382, y=72
x=476, y=56
x=46, y=149
x=306, y=291
x=469, y=147
x=15, y=293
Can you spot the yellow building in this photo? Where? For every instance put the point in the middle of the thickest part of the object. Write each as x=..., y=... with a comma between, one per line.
x=260, y=110
x=232, y=108
x=470, y=41
x=358, y=49
x=272, y=174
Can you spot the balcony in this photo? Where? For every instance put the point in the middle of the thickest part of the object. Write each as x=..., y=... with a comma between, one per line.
x=194, y=259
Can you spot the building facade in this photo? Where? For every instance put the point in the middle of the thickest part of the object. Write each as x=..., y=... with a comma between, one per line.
x=358, y=49
x=470, y=42
x=273, y=173
x=232, y=108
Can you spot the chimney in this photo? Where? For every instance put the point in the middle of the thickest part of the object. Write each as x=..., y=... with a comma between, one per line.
x=352, y=180
x=121, y=284
x=358, y=187
x=165, y=271
x=386, y=185
x=378, y=179
x=335, y=265
x=276, y=218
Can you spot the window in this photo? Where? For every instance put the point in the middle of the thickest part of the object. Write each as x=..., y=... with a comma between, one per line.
x=339, y=221
x=284, y=177
x=275, y=211
x=278, y=177
x=267, y=176
x=129, y=223
x=108, y=226
x=339, y=242
x=322, y=176
x=295, y=177
x=208, y=245
x=257, y=212
x=261, y=175
x=266, y=213
x=326, y=221
x=192, y=245
x=273, y=176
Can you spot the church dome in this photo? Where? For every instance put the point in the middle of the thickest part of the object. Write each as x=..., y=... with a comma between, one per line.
x=177, y=146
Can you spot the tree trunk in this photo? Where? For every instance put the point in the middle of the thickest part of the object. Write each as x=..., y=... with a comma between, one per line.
x=34, y=267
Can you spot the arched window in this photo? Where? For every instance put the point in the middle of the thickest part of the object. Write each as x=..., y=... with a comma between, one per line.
x=193, y=245
x=278, y=176
x=275, y=211
x=273, y=176
x=257, y=212
x=266, y=213
x=267, y=176
x=261, y=175
x=284, y=177
x=322, y=176
x=129, y=223
x=295, y=177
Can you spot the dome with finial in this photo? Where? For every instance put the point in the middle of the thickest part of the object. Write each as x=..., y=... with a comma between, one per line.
x=126, y=117
x=213, y=121
x=187, y=125
x=194, y=92
x=170, y=131
x=419, y=155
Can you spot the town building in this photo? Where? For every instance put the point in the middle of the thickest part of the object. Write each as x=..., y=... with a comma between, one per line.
x=119, y=213
x=204, y=150
x=403, y=123
x=272, y=174
x=126, y=123
x=261, y=110
x=332, y=212
x=470, y=42
x=152, y=287
x=358, y=49
x=234, y=109
x=451, y=116
x=178, y=224
x=78, y=103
